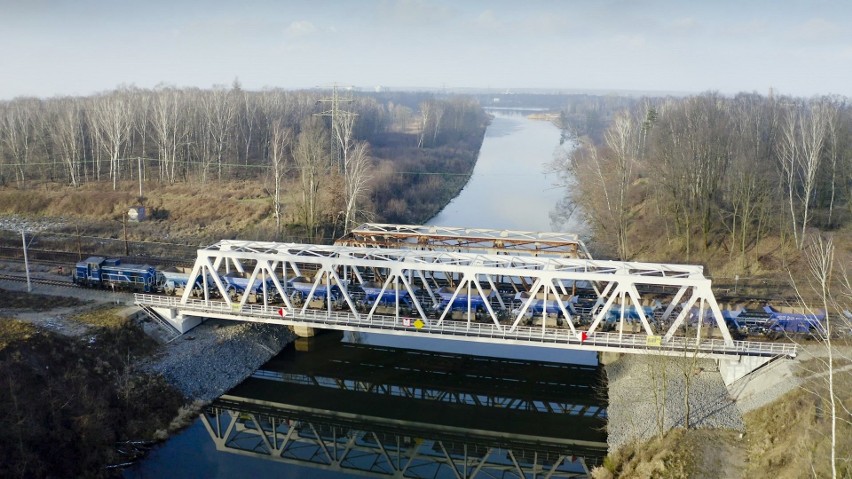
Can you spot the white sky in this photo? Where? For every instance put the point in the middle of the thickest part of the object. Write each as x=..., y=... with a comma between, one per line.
x=79, y=47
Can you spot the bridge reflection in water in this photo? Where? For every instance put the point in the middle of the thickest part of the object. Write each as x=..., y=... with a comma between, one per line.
x=362, y=410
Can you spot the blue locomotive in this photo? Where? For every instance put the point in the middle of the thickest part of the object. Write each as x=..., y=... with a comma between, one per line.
x=100, y=272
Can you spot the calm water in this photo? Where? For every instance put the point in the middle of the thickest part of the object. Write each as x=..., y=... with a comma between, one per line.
x=374, y=404
x=512, y=186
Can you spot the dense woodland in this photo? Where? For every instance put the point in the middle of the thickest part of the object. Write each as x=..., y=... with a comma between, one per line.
x=683, y=177
x=346, y=156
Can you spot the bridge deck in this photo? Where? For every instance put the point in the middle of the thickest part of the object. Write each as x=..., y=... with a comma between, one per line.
x=480, y=332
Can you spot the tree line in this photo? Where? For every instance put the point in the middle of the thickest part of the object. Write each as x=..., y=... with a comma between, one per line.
x=316, y=141
x=711, y=171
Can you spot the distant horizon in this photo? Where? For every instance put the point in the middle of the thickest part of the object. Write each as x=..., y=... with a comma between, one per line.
x=800, y=48
x=437, y=89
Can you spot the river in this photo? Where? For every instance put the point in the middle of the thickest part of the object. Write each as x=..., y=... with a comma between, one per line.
x=512, y=186
x=371, y=404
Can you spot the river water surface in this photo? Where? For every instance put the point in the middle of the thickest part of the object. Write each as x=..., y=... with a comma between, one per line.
x=367, y=404
x=512, y=186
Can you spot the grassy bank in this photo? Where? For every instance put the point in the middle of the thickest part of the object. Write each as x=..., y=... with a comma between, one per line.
x=76, y=404
x=786, y=439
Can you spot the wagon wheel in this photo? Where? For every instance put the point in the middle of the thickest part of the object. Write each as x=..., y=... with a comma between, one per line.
x=231, y=292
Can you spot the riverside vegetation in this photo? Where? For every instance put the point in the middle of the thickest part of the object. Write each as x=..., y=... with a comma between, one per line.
x=755, y=188
x=207, y=165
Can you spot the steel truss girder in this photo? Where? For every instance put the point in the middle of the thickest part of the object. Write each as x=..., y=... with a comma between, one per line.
x=547, y=274
x=376, y=454
x=466, y=240
x=502, y=402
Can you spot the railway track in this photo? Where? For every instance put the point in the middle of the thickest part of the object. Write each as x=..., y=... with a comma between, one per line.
x=45, y=281
x=66, y=258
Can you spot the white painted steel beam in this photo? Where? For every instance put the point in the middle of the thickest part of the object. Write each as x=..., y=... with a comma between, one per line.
x=341, y=285
x=459, y=239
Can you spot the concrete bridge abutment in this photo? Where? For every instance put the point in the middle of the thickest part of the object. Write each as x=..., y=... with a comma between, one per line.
x=304, y=331
x=606, y=357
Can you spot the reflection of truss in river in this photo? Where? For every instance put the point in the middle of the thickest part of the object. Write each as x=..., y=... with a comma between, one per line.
x=383, y=412
x=481, y=382
x=300, y=438
x=414, y=414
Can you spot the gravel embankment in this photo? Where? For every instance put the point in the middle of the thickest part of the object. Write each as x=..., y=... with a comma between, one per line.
x=203, y=363
x=30, y=225
x=217, y=355
x=633, y=409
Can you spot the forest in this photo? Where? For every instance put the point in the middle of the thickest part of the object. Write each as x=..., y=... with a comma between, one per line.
x=712, y=176
x=324, y=159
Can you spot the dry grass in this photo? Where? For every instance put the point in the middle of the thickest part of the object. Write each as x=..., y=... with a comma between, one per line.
x=35, y=302
x=106, y=317
x=12, y=330
x=679, y=454
x=790, y=438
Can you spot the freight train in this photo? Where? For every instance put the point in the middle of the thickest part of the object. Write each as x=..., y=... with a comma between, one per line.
x=112, y=273
x=506, y=301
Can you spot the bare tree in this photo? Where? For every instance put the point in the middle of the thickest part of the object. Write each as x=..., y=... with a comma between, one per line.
x=169, y=130
x=426, y=115
x=437, y=115
x=748, y=191
x=834, y=146
x=821, y=262
x=357, y=182
x=604, y=178
x=312, y=160
x=622, y=138
x=803, y=139
x=68, y=135
x=279, y=143
x=218, y=116
x=16, y=133
x=111, y=118
x=692, y=152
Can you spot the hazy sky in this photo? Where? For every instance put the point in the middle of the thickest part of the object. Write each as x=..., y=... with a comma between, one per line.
x=79, y=47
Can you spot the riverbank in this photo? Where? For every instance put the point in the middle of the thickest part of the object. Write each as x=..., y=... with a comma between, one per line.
x=771, y=424
x=119, y=368
x=648, y=395
x=201, y=364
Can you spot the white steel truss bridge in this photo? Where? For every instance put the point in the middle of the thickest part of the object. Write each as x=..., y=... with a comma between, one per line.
x=471, y=240
x=556, y=302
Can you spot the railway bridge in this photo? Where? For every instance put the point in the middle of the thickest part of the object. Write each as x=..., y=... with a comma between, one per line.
x=511, y=292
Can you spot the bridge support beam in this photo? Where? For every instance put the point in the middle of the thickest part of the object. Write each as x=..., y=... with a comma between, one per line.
x=734, y=369
x=180, y=321
x=606, y=357
x=304, y=331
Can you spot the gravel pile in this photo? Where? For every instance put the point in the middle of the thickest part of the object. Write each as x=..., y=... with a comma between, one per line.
x=634, y=410
x=217, y=355
x=30, y=225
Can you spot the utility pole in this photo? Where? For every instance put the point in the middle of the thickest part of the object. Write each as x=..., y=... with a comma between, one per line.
x=26, y=261
x=335, y=113
x=126, y=245
x=79, y=245
x=139, y=173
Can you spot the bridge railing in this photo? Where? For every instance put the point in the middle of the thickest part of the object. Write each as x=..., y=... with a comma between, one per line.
x=462, y=329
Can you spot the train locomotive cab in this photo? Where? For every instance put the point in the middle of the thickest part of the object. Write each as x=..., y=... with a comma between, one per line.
x=100, y=272
x=88, y=273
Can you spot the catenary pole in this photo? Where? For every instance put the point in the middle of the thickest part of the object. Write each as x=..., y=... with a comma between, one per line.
x=26, y=261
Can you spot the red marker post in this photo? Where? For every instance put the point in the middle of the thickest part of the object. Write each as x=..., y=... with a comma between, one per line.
x=282, y=312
